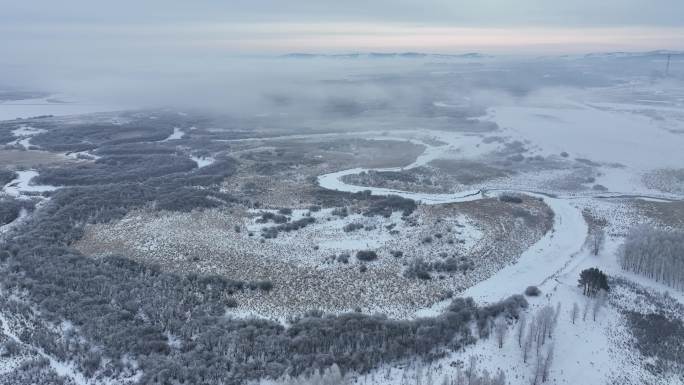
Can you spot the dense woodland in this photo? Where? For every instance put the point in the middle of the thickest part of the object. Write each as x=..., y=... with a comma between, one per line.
x=10, y=209
x=6, y=176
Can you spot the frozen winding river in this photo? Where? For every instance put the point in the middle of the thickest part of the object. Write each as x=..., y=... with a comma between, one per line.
x=541, y=261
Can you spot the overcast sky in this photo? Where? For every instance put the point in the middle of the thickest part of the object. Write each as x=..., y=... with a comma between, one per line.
x=454, y=13
x=101, y=46
x=277, y=26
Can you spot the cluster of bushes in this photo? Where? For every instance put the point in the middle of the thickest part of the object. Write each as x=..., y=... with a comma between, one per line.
x=342, y=258
x=385, y=206
x=417, y=176
x=419, y=268
x=264, y=285
x=366, y=255
x=352, y=227
x=341, y=212
x=272, y=232
x=510, y=198
x=275, y=218
x=532, y=291
x=453, y=264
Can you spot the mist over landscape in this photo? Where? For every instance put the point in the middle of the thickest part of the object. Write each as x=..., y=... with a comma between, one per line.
x=318, y=192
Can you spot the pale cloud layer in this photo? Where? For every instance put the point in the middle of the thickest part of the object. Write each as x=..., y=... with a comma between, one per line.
x=131, y=46
x=86, y=27
x=490, y=13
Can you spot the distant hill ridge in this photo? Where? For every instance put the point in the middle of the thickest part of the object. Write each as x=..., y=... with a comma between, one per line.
x=382, y=55
x=617, y=55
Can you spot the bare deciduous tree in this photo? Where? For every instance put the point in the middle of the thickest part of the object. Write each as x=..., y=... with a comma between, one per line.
x=529, y=340
x=500, y=329
x=600, y=300
x=522, y=321
x=537, y=369
x=575, y=312
x=548, y=360
x=596, y=240
x=472, y=371
x=656, y=254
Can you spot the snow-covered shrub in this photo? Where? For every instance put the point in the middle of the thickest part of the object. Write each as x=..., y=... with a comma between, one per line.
x=341, y=212
x=272, y=217
x=366, y=255
x=396, y=253
x=510, y=198
x=343, y=258
x=418, y=268
x=385, y=206
x=352, y=227
x=532, y=291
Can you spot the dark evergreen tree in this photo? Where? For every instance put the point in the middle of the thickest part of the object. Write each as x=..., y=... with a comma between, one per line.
x=592, y=280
